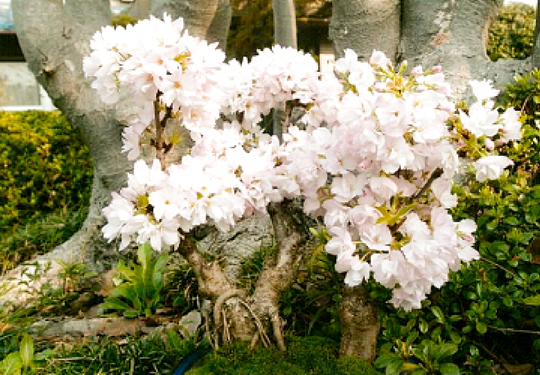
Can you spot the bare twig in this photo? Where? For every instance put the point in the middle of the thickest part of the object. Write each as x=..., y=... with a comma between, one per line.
x=254, y=340
x=499, y=266
x=512, y=330
x=435, y=175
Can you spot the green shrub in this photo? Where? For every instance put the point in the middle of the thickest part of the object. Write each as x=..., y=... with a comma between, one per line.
x=46, y=167
x=488, y=302
x=512, y=34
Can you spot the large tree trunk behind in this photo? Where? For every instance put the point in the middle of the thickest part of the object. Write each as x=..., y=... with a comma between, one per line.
x=55, y=38
x=454, y=35
x=365, y=25
x=198, y=15
x=218, y=31
x=428, y=33
x=284, y=23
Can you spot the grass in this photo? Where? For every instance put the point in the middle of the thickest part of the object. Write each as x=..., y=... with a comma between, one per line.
x=38, y=236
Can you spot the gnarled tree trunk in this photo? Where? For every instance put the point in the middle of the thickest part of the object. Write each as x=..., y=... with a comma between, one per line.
x=55, y=37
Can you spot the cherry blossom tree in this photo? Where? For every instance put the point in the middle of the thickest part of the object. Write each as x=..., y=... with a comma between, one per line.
x=267, y=176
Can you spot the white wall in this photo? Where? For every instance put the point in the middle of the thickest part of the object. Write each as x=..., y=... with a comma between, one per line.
x=20, y=89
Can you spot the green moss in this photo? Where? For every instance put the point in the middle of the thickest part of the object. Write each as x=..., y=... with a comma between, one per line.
x=305, y=355
x=352, y=366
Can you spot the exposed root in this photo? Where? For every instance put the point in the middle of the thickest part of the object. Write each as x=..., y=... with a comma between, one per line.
x=226, y=331
x=254, y=341
x=278, y=335
x=260, y=327
x=218, y=306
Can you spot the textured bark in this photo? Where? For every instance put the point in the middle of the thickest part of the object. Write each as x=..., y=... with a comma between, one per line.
x=284, y=35
x=365, y=25
x=55, y=38
x=219, y=28
x=359, y=323
x=278, y=274
x=198, y=15
x=454, y=34
x=451, y=33
x=237, y=315
x=284, y=23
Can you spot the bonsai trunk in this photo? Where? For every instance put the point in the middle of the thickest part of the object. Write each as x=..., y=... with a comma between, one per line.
x=360, y=323
x=237, y=315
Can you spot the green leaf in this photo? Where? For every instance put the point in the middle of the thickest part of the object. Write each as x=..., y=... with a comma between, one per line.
x=436, y=310
x=159, y=270
x=27, y=350
x=131, y=314
x=44, y=354
x=174, y=340
x=532, y=301
x=144, y=254
x=446, y=350
x=449, y=369
x=423, y=326
x=114, y=304
x=481, y=327
x=12, y=364
x=455, y=337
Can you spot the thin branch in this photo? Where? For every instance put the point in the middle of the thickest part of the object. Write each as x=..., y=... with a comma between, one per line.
x=159, y=132
x=284, y=23
x=435, y=175
x=212, y=281
x=512, y=330
x=499, y=266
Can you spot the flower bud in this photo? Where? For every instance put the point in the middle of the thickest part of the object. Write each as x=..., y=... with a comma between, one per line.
x=417, y=71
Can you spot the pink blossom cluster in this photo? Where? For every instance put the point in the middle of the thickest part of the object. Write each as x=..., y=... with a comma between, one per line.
x=374, y=156
x=158, y=60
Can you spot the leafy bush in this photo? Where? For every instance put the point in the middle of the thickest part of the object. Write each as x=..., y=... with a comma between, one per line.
x=46, y=167
x=512, y=34
x=311, y=305
x=489, y=301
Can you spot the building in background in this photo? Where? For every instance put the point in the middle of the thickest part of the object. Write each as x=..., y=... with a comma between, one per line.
x=19, y=90
x=18, y=87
